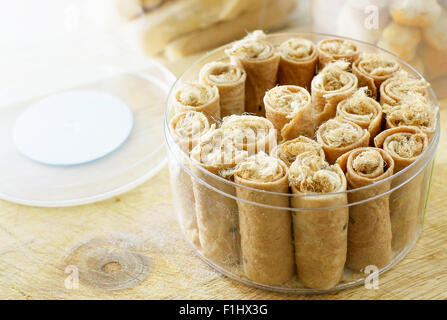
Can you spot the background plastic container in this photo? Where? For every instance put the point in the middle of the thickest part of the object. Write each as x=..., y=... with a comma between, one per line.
x=408, y=186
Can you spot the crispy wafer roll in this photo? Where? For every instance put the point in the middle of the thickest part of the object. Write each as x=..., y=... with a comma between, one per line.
x=217, y=214
x=186, y=129
x=298, y=62
x=369, y=230
x=413, y=110
x=266, y=234
x=363, y=111
x=336, y=49
x=338, y=136
x=320, y=235
x=393, y=90
x=329, y=87
x=230, y=81
x=289, y=109
x=259, y=59
x=372, y=69
x=194, y=96
x=289, y=150
x=404, y=144
x=250, y=133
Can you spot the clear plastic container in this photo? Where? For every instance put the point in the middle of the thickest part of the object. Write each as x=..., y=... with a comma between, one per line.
x=218, y=216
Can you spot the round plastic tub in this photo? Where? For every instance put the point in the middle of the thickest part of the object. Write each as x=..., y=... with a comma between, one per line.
x=218, y=218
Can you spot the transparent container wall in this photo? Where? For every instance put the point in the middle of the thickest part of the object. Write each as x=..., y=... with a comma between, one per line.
x=277, y=241
x=414, y=30
x=183, y=27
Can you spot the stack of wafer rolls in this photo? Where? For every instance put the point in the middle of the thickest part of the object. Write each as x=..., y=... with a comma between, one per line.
x=328, y=88
x=404, y=144
x=336, y=49
x=230, y=81
x=250, y=133
x=369, y=230
x=396, y=88
x=266, y=234
x=259, y=59
x=298, y=62
x=372, y=70
x=363, y=111
x=186, y=129
x=289, y=150
x=338, y=136
x=195, y=96
x=320, y=235
x=412, y=110
x=289, y=109
x=217, y=214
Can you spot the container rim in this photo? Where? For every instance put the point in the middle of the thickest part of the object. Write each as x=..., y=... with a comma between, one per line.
x=427, y=154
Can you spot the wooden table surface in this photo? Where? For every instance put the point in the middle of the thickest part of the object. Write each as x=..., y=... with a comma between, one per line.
x=42, y=250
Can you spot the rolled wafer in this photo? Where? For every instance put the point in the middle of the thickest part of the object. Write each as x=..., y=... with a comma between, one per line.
x=195, y=96
x=230, y=81
x=413, y=110
x=250, y=133
x=338, y=136
x=298, y=62
x=217, y=214
x=259, y=59
x=329, y=87
x=404, y=144
x=289, y=150
x=372, y=69
x=369, y=230
x=266, y=233
x=396, y=88
x=363, y=111
x=186, y=129
x=320, y=234
x=330, y=50
x=289, y=109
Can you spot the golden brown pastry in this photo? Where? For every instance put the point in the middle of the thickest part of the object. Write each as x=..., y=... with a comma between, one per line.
x=320, y=234
x=338, y=136
x=259, y=59
x=415, y=13
x=396, y=88
x=330, y=50
x=405, y=145
x=289, y=150
x=332, y=85
x=298, y=62
x=363, y=111
x=266, y=233
x=250, y=133
x=289, y=109
x=400, y=40
x=217, y=214
x=195, y=96
x=230, y=81
x=369, y=230
x=373, y=69
x=413, y=110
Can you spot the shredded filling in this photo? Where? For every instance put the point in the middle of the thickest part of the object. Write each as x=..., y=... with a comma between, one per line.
x=191, y=125
x=287, y=99
x=220, y=72
x=289, y=150
x=194, y=94
x=359, y=107
x=253, y=46
x=369, y=163
x=378, y=65
x=312, y=174
x=402, y=84
x=406, y=145
x=338, y=47
x=296, y=49
x=334, y=76
x=336, y=133
x=260, y=167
